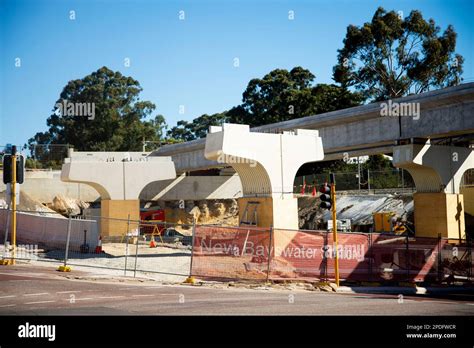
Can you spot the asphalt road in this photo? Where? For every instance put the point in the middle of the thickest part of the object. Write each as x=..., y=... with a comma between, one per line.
x=29, y=290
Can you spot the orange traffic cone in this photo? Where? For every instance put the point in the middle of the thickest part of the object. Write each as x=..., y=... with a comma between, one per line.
x=303, y=188
x=152, y=242
x=314, y=191
x=98, y=248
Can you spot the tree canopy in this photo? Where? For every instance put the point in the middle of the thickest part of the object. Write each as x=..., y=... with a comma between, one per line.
x=279, y=96
x=284, y=95
x=187, y=131
x=118, y=123
x=392, y=56
x=388, y=57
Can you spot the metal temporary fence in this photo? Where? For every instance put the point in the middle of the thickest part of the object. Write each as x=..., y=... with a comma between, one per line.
x=174, y=251
x=375, y=181
x=404, y=258
x=153, y=247
x=42, y=236
x=230, y=252
x=272, y=254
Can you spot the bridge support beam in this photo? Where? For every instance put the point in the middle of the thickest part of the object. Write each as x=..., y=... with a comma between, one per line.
x=437, y=171
x=119, y=177
x=267, y=165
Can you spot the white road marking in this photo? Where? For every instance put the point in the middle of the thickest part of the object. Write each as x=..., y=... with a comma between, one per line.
x=142, y=295
x=430, y=301
x=8, y=305
x=37, y=294
x=9, y=296
x=111, y=297
x=37, y=302
x=16, y=274
x=66, y=292
x=80, y=299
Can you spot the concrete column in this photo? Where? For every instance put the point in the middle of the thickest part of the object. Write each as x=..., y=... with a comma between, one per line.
x=439, y=213
x=119, y=177
x=267, y=165
x=437, y=171
x=468, y=193
x=115, y=215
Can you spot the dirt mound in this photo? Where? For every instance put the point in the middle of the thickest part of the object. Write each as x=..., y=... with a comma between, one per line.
x=65, y=206
x=27, y=204
x=220, y=211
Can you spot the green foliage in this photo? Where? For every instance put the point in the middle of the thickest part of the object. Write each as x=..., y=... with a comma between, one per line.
x=118, y=124
x=388, y=57
x=32, y=163
x=392, y=57
x=279, y=96
x=283, y=95
x=187, y=131
x=385, y=179
x=378, y=162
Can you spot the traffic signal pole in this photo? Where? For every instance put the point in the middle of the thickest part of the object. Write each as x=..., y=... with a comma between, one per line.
x=328, y=201
x=13, y=191
x=334, y=230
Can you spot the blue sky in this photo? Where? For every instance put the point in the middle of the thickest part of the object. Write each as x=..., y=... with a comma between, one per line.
x=177, y=62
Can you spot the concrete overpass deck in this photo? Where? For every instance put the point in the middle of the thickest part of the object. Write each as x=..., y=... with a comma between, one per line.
x=362, y=130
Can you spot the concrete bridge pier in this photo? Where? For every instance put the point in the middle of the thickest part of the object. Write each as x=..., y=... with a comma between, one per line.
x=118, y=177
x=437, y=171
x=267, y=165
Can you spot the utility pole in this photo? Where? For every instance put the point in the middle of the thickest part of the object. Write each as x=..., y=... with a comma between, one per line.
x=368, y=179
x=146, y=142
x=358, y=170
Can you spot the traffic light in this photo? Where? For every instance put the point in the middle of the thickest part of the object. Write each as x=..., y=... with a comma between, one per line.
x=20, y=169
x=326, y=199
x=7, y=169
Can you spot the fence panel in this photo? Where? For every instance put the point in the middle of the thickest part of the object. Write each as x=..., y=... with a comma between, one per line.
x=160, y=248
x=221, y=253
x=231, y=253
x=311, y=255
x=236, y=253
x=396, y=258
x=43, y=237
x=456, y=261
x=300, y=255
x=84, y=249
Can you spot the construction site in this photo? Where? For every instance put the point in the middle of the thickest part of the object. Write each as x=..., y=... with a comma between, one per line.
x=233, y=206
x=199, y=172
